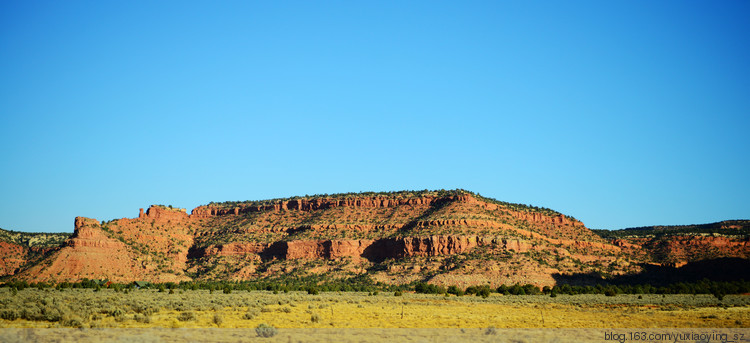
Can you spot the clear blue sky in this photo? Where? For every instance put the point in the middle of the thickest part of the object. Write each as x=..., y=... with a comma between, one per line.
x=619, y=113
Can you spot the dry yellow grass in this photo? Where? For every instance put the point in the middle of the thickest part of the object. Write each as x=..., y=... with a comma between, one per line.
x=452, y=314
x=358, y=310
x=460, y=316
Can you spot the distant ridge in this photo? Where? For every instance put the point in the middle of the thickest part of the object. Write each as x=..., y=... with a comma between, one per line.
x=725, y=227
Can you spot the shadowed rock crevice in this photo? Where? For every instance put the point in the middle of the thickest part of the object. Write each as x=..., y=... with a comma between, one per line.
x=720, y=269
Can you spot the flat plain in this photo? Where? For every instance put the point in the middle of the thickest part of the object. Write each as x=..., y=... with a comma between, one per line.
x=149, y=308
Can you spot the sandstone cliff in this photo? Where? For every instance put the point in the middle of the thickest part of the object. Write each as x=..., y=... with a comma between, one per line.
x=450, y=237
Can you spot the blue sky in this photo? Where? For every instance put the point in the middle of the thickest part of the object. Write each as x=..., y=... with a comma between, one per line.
x=619, y=113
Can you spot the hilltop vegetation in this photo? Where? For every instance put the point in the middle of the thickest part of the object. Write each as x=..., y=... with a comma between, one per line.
x=33, y=239
x=725, y=228
x=392, y=194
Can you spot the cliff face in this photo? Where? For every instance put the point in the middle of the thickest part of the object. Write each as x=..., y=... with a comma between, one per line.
x=163, y=214
x=309, y=205
x=370, y=249
x=87, y=233
x=454, y=238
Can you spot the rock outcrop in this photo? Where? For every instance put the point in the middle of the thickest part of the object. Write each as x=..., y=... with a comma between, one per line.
x=89, y=253
x=232, y=249
x=539, y=218
x=308, y=205
x=386, y=248
x=164, y=213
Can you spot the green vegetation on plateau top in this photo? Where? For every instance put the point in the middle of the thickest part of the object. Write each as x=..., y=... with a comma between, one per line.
x=726, y=228
x=33, y=239
x=393, y=195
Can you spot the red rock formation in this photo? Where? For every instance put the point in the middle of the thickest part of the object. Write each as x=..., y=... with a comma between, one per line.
x=88, y=233
x=89, y=253
x=625, y=244
x=435, y=245
x=81, y=222
x=438, y=245
x=161, y=213
x=355, y=227
x=348, y=248
x=232, y=249
x=539, y=218
x=308, y=249
x=162, y=243
x=321, y=203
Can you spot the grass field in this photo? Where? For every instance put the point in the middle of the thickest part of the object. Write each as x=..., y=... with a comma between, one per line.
x=33, y=308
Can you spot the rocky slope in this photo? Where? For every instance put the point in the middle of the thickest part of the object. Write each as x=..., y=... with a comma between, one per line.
x=22, y=249
x=88, y=253
x=443, y=237
x=681, y=244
